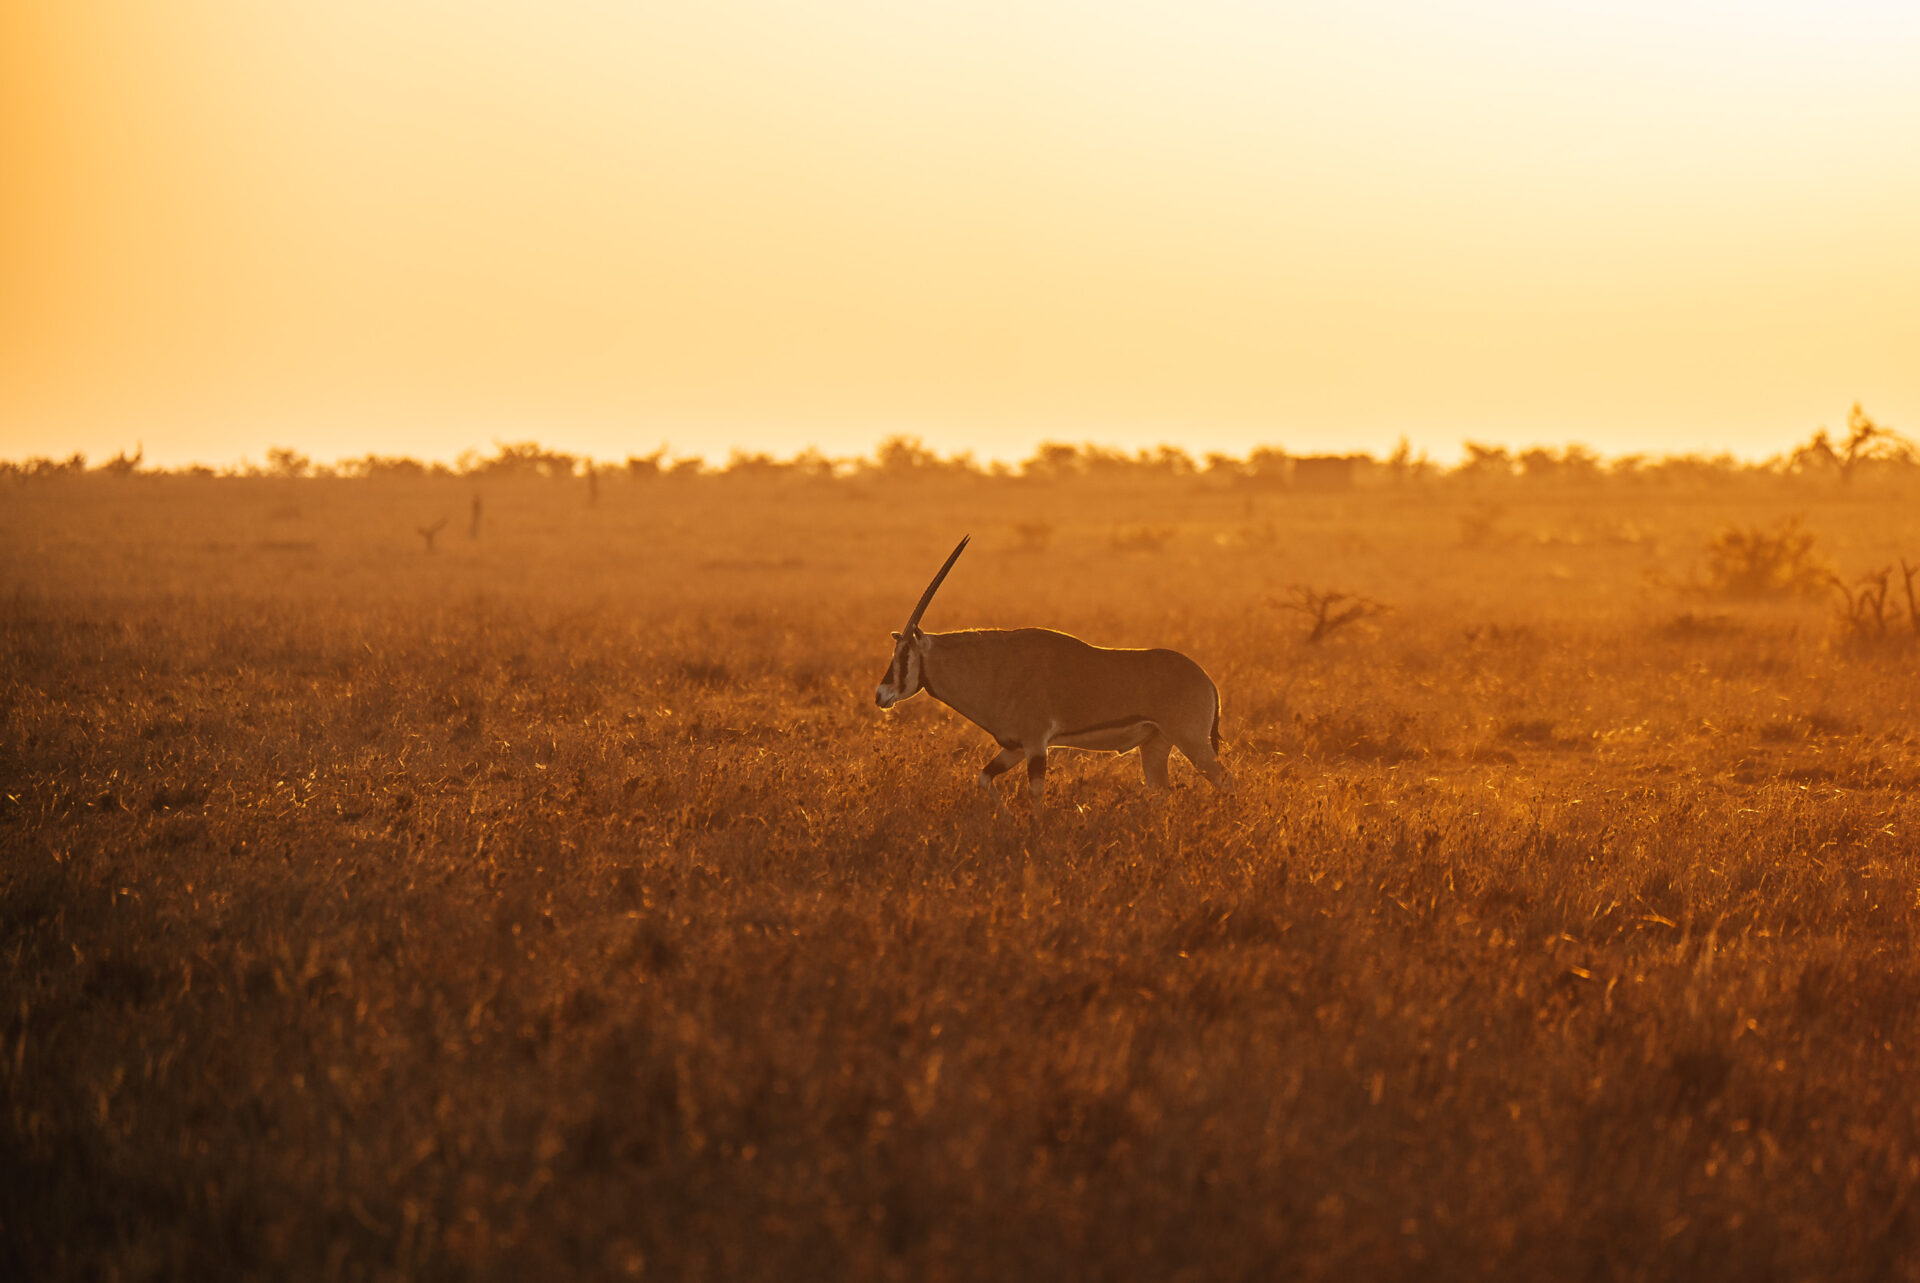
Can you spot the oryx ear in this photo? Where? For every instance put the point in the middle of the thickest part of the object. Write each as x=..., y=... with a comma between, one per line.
x=896, y=636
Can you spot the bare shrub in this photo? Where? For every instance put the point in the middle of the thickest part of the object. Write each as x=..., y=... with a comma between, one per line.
x=1749, y=563
x=283, y=461
x=1866, y=443
x=1863, y=603
x=124, y=464
x=1864, y=607
x=1485, y=462
x=522, y=459
x=1328, y=612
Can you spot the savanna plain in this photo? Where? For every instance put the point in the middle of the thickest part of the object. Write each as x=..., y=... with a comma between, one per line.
x=556, y=902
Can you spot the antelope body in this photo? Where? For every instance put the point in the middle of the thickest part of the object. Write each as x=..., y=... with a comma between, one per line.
x=1033, y=689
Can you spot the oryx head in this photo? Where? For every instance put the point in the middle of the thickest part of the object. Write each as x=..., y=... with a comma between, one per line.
x=906, y=674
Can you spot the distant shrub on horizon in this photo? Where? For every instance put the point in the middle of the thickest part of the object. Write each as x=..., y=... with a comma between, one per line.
x=1868, y=448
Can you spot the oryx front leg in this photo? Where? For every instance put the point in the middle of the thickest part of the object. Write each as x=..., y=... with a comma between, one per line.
x=1002, y=762
x=1037, y=779
x=1154, y=752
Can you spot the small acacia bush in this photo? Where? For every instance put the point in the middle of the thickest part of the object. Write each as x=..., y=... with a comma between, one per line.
x=1752, y=562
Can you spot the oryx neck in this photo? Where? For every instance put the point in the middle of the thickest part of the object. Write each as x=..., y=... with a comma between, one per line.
x=926, y=668
x=956, y=655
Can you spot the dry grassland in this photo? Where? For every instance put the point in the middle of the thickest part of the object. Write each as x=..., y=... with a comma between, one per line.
x=558, y=903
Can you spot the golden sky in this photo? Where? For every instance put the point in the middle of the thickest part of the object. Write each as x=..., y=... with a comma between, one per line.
x=417, y=227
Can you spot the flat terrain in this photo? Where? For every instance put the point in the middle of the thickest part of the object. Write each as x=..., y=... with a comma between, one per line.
x=558, y=902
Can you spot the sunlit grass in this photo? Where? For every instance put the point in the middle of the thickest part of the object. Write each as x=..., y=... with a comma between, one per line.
x=558, y=902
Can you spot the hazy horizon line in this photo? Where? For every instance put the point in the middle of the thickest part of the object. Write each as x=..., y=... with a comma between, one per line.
x=903, y=445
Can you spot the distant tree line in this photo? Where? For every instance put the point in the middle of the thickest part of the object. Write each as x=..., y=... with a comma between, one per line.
x=1865, y=449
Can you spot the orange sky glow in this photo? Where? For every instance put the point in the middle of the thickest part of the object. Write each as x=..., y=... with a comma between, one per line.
x=417, y=228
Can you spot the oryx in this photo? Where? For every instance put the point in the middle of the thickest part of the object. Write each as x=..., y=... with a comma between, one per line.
x=1033, y=689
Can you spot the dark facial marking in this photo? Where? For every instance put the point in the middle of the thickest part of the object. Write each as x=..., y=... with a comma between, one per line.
x=897, y=669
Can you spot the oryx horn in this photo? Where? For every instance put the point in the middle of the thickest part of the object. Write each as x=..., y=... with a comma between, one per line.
x=934, y=587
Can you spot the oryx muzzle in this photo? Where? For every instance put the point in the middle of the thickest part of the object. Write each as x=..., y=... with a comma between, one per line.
x=1033, y=689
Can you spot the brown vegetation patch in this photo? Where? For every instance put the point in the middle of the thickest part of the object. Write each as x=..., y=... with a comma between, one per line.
x=520, y=911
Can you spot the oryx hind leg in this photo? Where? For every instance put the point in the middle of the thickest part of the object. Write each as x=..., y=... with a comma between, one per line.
x=1154, y=751
x=1198, y=749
